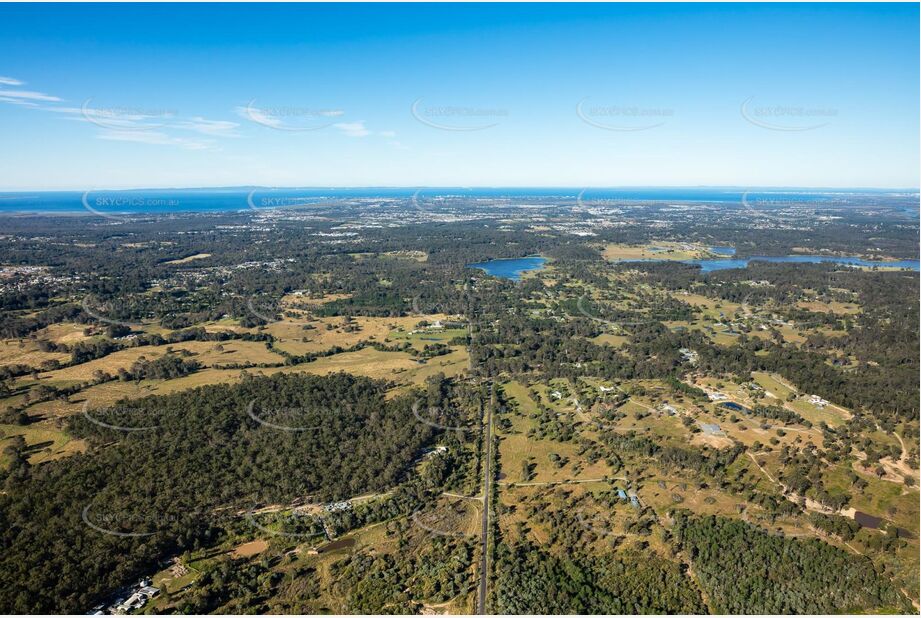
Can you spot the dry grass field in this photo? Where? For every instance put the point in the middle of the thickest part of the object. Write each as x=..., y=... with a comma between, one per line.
x=208, y=353
x=27, y=352
x=397, y=366
x=324, y=333
x=64, y=332
x=191, y=258
x=517, y=449
x=44, y=442
x=662, y=250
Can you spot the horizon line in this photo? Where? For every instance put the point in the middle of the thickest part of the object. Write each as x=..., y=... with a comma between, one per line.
x=462, y=186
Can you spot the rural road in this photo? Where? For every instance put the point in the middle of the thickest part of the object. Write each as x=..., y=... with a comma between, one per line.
x=561, y=482
x=484, y=530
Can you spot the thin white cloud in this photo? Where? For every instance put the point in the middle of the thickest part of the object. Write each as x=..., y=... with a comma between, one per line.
x=217, y=128
x=157, y=138
x=139, y=126
x=288, y=118
x=125, y=124
x=28, y=95
x=63, y=110
x=122, y=118
x=106, y=119
x=21, y=102
x=353, y=129
x=256, y=115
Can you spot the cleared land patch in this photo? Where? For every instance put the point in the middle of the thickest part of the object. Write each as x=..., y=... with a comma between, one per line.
x=664, y=250
x=191, y=258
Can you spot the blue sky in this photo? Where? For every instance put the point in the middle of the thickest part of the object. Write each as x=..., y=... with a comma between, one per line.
x=103, y=96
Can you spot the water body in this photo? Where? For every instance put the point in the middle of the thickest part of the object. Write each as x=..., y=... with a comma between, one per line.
x=510, y=269
x=871, y=521
x=151, y=202
x=867, y=521
x=160, y=201
x=724, y=263
x=337, y=544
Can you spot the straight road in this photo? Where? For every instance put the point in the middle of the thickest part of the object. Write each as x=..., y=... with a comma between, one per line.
x=487, y=488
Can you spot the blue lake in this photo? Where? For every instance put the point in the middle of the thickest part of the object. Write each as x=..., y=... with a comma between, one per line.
x=723, y=263
x=512, y=268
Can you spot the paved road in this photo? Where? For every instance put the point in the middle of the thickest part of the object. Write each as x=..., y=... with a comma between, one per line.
x=484, y=529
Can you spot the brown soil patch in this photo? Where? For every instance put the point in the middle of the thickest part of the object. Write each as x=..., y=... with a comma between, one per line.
x=250, y=549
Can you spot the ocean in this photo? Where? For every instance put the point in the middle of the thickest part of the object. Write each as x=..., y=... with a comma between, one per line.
x=164, y=201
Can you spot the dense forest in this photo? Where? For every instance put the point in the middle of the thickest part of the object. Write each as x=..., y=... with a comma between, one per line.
x=748, y=571
x=165, y=490
x=532, y=581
